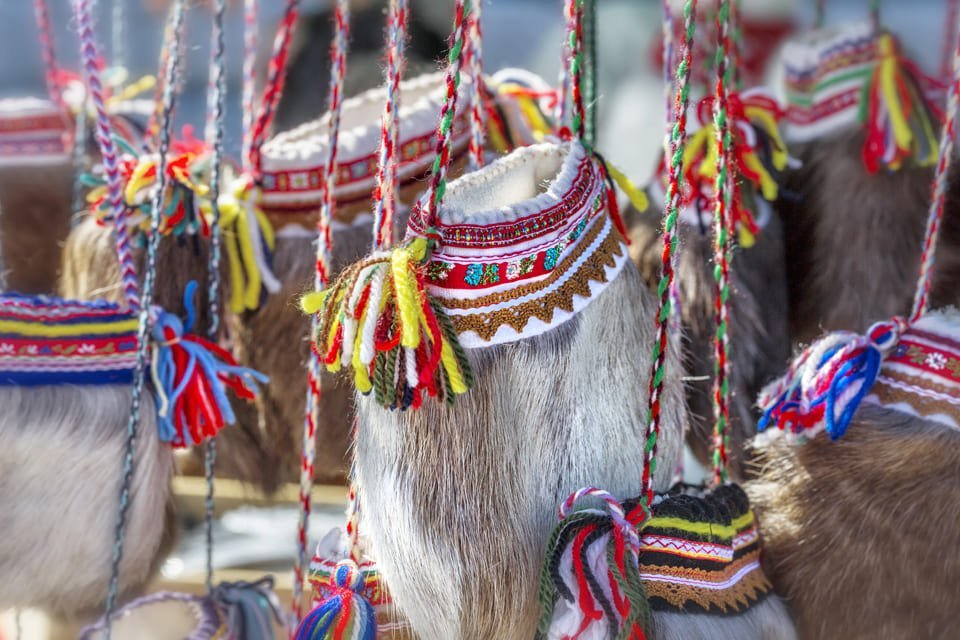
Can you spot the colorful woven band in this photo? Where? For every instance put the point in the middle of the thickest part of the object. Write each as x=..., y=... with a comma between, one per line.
x=921, y=377
x=524, y=267
x=854, y=75
x=293, y=161
x=33, y=131
x=826, y=71
x=46, y=340
x=700, y=553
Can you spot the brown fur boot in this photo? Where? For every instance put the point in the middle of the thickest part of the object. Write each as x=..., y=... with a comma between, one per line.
x=855, y=530
x=35, y=211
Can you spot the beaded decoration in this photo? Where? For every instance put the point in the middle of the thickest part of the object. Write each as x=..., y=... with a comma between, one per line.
x=854, y=75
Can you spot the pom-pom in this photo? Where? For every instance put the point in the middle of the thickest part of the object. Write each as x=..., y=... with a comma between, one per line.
x=900, y=122
x=344, y=613
x=190, y=377
x=378, y=319
x=824, y=386
x=251, y=609
x=590, y=584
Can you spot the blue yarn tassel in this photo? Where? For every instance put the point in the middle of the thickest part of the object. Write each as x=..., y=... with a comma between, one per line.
x=345, y=613
x=190, y=376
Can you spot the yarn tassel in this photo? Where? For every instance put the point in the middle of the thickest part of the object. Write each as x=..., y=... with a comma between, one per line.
x=249, y=241
x=759, y=153
x=378, y=311
x=190, y=376
x=590, y=585
x=824, y=386
x=900, y=123
x=251, y=609
x=344, y=614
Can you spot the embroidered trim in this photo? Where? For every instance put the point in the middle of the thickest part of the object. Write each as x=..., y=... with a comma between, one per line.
x=32, y=130
x=712, y=561
x=46, y=340
x=921, y=377
x=530, y=266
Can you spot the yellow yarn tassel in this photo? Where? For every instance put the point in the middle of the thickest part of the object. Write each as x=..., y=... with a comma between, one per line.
x=378, y=318
x=636, y=196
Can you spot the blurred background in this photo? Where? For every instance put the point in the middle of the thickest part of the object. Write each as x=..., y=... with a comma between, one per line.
x=256, y=534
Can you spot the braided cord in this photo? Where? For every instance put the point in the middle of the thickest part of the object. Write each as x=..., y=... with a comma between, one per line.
x=441, y=163
x=251, y=37
x=724, y=189
x=672, y=208
x=385, y=194
x=949, y=28
x=921, y=300
x=338, y=71
x=146, y=299
x=108, y=151
x=276, y=77
x=669, y=55
x=590, y=68
x=875, y=14
x=217, y=107
x=574, y=47
x=47, y=51
x=475, y=70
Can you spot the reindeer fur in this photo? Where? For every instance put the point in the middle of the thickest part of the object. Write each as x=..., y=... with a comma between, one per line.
x=90, y=270
x=60, y=471
x=36, y=208
x=854, y=239
x=759, y=332
x=459, y=501
x=859, y=533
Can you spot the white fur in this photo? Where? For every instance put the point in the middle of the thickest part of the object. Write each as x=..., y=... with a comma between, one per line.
x=60, y=470
x=459, y=502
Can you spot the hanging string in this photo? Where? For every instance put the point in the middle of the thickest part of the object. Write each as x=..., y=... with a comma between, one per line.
x=669, y=50
x=51, y=71
x=736, y=30
x=385, y=194
x=574, y=14
x=562, y=111
x=475, y=62
x=341, y=17
x=90, y=64
x=724, y=189
x=216, y=106
x=78, y=160
x=441, y=163
x=821, y=14
x=672, y=210
x=276, y=77
x=109, y=155
x=875, y=14
x=118, y=24
x=590, y=75
x=921, y=301
x=251, y=38
x=950, y=28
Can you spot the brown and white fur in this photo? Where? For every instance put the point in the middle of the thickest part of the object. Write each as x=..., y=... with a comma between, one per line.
x=759, y=332
x=60, y=471
x=858, y=533
x=854, y=239
x=459, y=501
x=90, y=270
